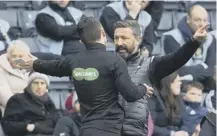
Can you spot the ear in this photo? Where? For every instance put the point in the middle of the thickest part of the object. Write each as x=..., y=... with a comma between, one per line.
x=103, y=32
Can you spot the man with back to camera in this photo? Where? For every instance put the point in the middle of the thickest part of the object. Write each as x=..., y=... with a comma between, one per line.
x=146, y=70
x=98, y=77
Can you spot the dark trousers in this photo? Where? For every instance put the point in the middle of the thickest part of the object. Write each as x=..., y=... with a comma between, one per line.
x=96, y=132
x=67, y=126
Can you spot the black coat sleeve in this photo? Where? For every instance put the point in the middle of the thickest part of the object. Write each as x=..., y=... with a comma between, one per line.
x=155, y=9
x=13, y=121
x=57, y=68
x=165, y=65
x=47, y=56
x=108, y=19
x=124, y=84
x=48, y=27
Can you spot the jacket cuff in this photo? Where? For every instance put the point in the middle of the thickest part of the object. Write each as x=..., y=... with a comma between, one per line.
x=172, y=133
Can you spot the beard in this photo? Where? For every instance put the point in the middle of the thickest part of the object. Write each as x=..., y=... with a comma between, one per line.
x=122, y=51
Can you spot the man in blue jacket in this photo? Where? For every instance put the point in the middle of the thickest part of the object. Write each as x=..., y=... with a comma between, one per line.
x=201, y=65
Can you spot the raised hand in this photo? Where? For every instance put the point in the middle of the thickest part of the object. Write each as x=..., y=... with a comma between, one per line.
x=134, y=7
x=201, y=33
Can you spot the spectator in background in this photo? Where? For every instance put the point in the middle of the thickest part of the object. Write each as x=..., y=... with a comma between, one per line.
x=195, y=112
x=201, y=65
x=167, y=108
x=12, y=80
x=129, y=10
x=57, y=28
x=155, y=9
x=33, y=112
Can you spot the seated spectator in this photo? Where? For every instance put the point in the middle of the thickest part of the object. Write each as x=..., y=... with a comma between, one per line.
x=201, y=65
x=167, y=109
x=12, y=80
x=195, y=112
x=33, y=112
x=129, y=10
x=57, y=28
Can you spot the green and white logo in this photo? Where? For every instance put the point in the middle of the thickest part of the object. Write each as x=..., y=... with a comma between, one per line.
x=88, y=74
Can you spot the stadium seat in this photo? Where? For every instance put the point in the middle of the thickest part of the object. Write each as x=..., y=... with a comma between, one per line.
x=157, y=49
x=16, y=4
x=11, y=17
x=60, y=90
x=177, y=16
x=174, y=5
x=26, y=20
x=165, y=23
x=207, y=4
x=30, y=41
x=38, y=4
x=213, y=20
x=90, y=8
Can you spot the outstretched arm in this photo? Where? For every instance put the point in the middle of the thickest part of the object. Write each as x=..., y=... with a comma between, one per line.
x=165, y=65
x=57, y=68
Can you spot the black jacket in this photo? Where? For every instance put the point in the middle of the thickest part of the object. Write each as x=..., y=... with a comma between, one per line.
x=22, y=110
x=48, y=27
x=162, y=126
x=98, y=78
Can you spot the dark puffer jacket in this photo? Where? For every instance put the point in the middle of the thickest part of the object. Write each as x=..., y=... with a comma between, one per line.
x=22, y=109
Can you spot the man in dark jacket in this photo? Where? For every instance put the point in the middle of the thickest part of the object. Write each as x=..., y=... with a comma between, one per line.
x=146, y=70
x=98, y=78
x=57, y=28
x=129, y=10
x=201, y=65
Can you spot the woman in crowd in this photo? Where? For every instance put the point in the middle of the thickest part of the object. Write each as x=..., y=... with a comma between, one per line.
x=167, y=108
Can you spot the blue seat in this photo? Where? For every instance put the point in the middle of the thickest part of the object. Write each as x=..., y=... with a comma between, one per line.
x=38, y=4
x=59, y=90
x=213, y=20
x=11, y=17
x=16, y=4
x=177, y=16
x=174, y=5
x=207, y=4
x=31, y=42
x=26, y=20
x=165, y=23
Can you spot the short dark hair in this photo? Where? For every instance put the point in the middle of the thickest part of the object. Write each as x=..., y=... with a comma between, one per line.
x=191, y=84
x=89, y=30
x=129, y=24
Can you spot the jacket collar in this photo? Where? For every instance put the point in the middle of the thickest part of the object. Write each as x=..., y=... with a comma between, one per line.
x=96, y=46
x=4, y=64
x=133, y=57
